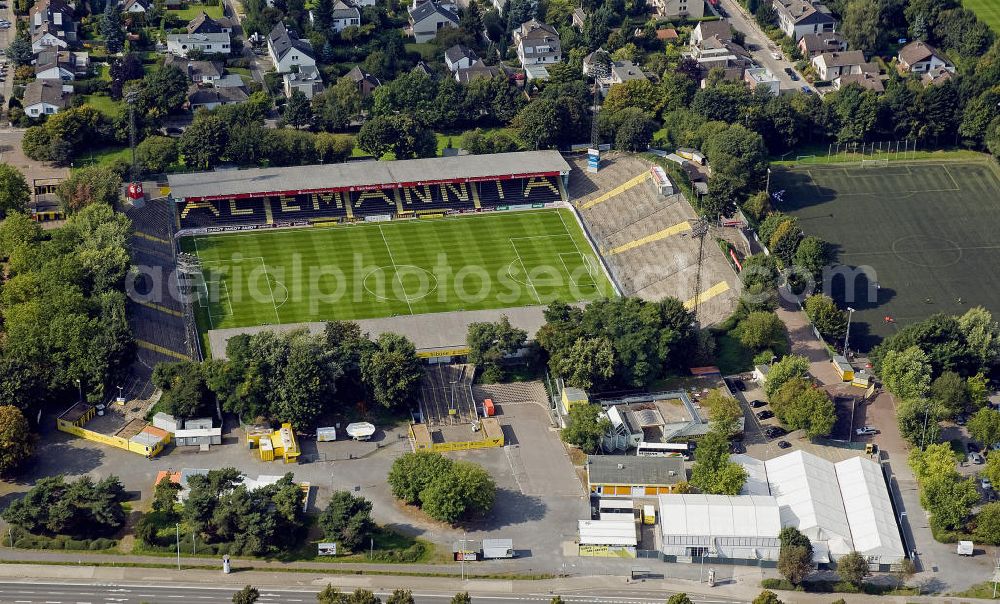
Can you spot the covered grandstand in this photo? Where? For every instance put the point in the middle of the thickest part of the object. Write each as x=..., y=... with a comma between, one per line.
x=368, y=190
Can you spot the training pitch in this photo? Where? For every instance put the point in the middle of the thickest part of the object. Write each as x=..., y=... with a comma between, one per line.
x=929, y=232
x=384, y=269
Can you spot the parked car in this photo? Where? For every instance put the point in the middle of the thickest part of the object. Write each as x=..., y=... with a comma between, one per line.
x=976, y=458
x=765, y=414
x=776, y=56
x=986, y=484
x=737, y=448
x=774, y=431
x=807, y=90
x=755, y=404
x=866, y=430
x=784, y=444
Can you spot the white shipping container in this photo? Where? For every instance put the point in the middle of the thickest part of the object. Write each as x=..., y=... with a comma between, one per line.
x=324, y=435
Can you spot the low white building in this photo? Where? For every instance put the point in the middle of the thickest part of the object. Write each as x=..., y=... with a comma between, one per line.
x=742, y=528
x=210, y=44
x=761, y=77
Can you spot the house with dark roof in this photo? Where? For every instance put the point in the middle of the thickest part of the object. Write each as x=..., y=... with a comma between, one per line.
x=50, y=23
x=199, y=72
x=308, y=81
x=800, y=17
x=831, y=65
x=459, y=56
x=920, y=57
x=811, y=45
x=343, y=16
x=937, y=75
x=366, y=82
x=711, y=29
x=618, y=72
x=537, y=44
x=52, y=64
x=425, y=69
x=866, y=79
x=428, y=17
x=200, y=97
x=287, y=50
x=679, y=9
x=480, y=70
x=136, y=6
x=203, y=24
x=45, y=97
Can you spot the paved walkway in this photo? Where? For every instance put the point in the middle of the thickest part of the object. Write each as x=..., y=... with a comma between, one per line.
x=804, y=342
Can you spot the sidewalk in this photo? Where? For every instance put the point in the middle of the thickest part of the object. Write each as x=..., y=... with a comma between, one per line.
x=804, y=341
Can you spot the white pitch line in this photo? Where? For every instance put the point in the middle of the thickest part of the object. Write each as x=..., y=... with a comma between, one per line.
x=527, y=277
x=267, y=277
x=402, y=288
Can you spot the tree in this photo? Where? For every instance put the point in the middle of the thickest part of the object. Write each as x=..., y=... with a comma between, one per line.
x=948, y=389
x=712, y=471
x=585, y=427
x=853, y=568
x=247, y=595
x=633, y=129
x=16, y=440
x=461, y=598
x=322, y=13
x=491, y=343
x=824, y=314
x=156, y=153
x=333, y=148
x=391, y=371
x=948, y=499
x=795, y=563
x=413, y=472
x=400, y=135
x=799, y=405
x=204, y=141
x=298, y=111
x=165, y=498
x=906, y=373
x=760, y=330
x=18, y=231
x=538, y=124
x=347, y=520
x=982, y=335
x=185, y=393
x=724, y=410
x=918, y=421
x=767, y=597
x=988, y=524
x=680, y=598
x=739, y=156
x=861, y=25
x=400, y=596
x=934, y=460
x=590, y=361
x=89, y=185
x=789, y=367
x=14, y=191
x=162, y=91
x=111, y=29
x=82, y=509
x=19, y=51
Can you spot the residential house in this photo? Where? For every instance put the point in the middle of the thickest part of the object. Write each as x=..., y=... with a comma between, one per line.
x=287, y=50
x=136, y=6
x=479, y=70
x=210, y=44
x=230, y=80
x=211, y=97
x=537, y=44
x=919, y=57
x=366, y=82
x=52, y=64
x=50, y=23
x=361, y=3
x=342, y=17
x=203, y=24
x=459, y=56
x=811, y=45
x=679, y=9
x=618, y=71
x=722, y=53
x=761, y=77
x=831, y=65
x=711, y=29
x=666, y=34
x=425, y=69
x=199, y=72
x=307, y=81
x=45, y=97
x=427, y=18
x=800, y=17
x=937, y=75
x=866, y=79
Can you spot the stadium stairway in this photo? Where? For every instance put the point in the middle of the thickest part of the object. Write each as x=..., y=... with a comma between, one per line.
x=520, y=392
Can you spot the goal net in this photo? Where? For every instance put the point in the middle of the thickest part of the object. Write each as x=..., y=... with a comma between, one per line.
x=874, y=163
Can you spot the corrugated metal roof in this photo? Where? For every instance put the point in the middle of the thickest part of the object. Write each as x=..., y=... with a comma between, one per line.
x=362, y=174
x=607, y=532
x=632, y=470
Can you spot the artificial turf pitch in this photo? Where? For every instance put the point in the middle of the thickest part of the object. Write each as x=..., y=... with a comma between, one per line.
x=383, y=269
x=930, y=231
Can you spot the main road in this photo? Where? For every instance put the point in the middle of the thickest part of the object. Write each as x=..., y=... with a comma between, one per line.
x=102, y=593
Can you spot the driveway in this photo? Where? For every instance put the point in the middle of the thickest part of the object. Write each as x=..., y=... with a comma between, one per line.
x=745, y=24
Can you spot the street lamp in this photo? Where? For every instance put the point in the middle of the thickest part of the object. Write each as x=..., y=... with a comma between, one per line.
x=79, y=386
x=847, y=334
x=177, y=525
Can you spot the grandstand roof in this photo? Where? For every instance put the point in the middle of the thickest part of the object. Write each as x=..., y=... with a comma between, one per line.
x=226, y=184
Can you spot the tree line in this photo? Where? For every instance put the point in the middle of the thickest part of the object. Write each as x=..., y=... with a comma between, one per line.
x=295, y=377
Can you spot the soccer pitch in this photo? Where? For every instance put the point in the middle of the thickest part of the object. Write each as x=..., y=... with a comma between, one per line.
x=924, y=233
x=383, y=269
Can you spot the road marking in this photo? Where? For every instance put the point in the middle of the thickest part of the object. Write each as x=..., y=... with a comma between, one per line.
x=667, y=232
x=708, y=294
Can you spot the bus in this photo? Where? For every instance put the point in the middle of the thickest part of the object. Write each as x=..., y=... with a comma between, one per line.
x=663, y=450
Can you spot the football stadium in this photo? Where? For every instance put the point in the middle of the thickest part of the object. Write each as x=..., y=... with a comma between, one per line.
x=370, y=240
x=912, y=239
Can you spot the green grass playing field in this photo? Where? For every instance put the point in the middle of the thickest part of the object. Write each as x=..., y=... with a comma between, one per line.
x=929, y=231
x=987, y=10
x=473, y=262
